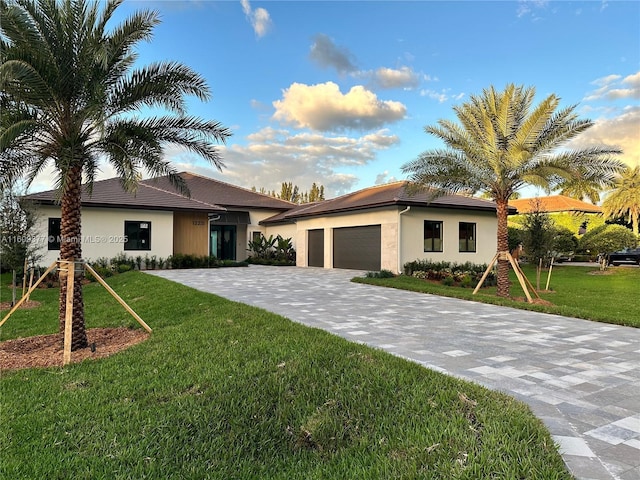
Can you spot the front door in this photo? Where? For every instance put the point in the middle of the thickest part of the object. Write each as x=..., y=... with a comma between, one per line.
x=222, y=243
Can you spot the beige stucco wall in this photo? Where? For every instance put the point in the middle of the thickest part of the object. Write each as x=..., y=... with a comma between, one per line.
x=413, y=235
x=386, y=218
x=103, y=232
x=245, y=232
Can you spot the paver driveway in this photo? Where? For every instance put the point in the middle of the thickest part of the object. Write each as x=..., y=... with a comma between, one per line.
x=580, y=377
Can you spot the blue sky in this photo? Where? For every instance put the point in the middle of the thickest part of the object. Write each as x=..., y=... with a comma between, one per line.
x=338, y=92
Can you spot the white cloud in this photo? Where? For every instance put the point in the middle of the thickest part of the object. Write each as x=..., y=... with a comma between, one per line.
x=526, y=7
x=323, y=107
x=259, y=18
x=404, y=77
x=327, y=54
x=384, y=177
x=272, y=156
x=441, y=96
x=621, y=131
x=614, y=87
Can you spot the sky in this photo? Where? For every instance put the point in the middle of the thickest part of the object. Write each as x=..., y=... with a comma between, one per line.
x=339, y=92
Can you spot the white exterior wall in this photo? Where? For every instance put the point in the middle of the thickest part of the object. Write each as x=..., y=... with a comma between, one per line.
x=103, y=232
x=387, y=219
x=413, y=235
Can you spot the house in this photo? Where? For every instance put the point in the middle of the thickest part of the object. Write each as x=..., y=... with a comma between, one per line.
x=384, y=227
x=380, y=227
x=568, y=212
x=218, y=219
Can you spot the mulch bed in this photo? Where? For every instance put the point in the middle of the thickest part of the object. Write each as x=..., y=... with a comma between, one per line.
x=47, y=350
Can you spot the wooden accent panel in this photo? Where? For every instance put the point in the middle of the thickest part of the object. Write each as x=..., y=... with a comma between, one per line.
x=191, y=233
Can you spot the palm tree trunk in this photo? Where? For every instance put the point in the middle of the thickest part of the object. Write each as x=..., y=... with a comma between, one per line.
x=71, y=249
x=504, y=284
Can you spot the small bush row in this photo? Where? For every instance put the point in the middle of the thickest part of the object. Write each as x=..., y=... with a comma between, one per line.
x=450, y=273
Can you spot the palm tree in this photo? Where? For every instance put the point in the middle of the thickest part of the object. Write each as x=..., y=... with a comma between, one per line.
x=624, y=200
x=501, y=144
x=70, y=97
x=581, y=188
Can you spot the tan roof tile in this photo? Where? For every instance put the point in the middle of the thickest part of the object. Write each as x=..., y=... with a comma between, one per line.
x=554, y=203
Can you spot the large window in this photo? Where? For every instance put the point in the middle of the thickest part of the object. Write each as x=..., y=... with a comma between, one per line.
x=467, y=237
x=53, y=234
x=137, y=235
x=432, y=236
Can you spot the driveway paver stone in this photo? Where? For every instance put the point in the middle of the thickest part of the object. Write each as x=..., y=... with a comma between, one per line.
x=581, y=378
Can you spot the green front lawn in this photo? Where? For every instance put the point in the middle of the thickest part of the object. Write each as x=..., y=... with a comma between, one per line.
x=611, y=296
x=227, y=391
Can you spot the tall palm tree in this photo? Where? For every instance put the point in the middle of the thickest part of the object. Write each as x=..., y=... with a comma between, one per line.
x=581, y=188
x=624, y=200
x=70, y=97
x=503, y=143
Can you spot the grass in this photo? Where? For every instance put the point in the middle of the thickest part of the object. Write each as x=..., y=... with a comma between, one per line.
x=222, y=390
x=580, y=292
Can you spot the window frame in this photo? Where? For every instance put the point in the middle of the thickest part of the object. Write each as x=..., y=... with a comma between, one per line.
x=53, y=238
x=465, y=247
x=130, y=237
x=432, y=239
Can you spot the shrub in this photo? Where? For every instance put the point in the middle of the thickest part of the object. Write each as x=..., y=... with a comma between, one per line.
x=381, y=274
x=448, y=281
x=436, y=271
x=123, y=268
x=607, y=238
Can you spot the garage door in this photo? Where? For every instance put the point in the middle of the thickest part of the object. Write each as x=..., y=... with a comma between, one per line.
x=316, y=248
x=357, y=248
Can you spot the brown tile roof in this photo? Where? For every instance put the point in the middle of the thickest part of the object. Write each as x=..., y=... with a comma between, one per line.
x=383, y=196
x=554, y=203
x=216, y=192
x=109, y=193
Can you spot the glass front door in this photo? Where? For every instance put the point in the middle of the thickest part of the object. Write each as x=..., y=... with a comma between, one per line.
x=222, y=243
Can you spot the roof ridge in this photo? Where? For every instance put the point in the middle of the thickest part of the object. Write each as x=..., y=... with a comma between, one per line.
x=182, y=196
x=234, y=186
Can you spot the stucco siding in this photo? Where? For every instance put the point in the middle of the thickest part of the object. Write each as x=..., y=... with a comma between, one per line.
x=103, y=232
x=386, y=218
x=412, y=237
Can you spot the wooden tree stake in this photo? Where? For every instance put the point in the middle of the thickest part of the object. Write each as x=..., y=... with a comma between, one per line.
x=23, y=299
x=117, y=297
x=522, y=278
x=68, y=317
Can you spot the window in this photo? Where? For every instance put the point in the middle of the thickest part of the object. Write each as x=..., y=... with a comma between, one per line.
x=137, y=235
x=432, y=236
x=53, y=234
x=256, y=236
x=467, y=237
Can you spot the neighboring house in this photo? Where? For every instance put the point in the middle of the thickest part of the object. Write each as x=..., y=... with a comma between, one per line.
x=576, y=215
x=381, y=227
x=384, y=227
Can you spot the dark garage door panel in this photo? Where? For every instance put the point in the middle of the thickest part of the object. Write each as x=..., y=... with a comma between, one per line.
x=357, y=248
x=316, y=248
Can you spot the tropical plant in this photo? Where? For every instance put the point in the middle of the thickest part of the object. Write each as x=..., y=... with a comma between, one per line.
x=19, y=244
x=262, y=247
x=503, y=143
x=607, y=239
x=537, y=238
x=70, y=97
x=580, y=188
x=624, y=200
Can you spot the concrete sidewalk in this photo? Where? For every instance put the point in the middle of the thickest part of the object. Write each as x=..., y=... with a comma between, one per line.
x=581, y=378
